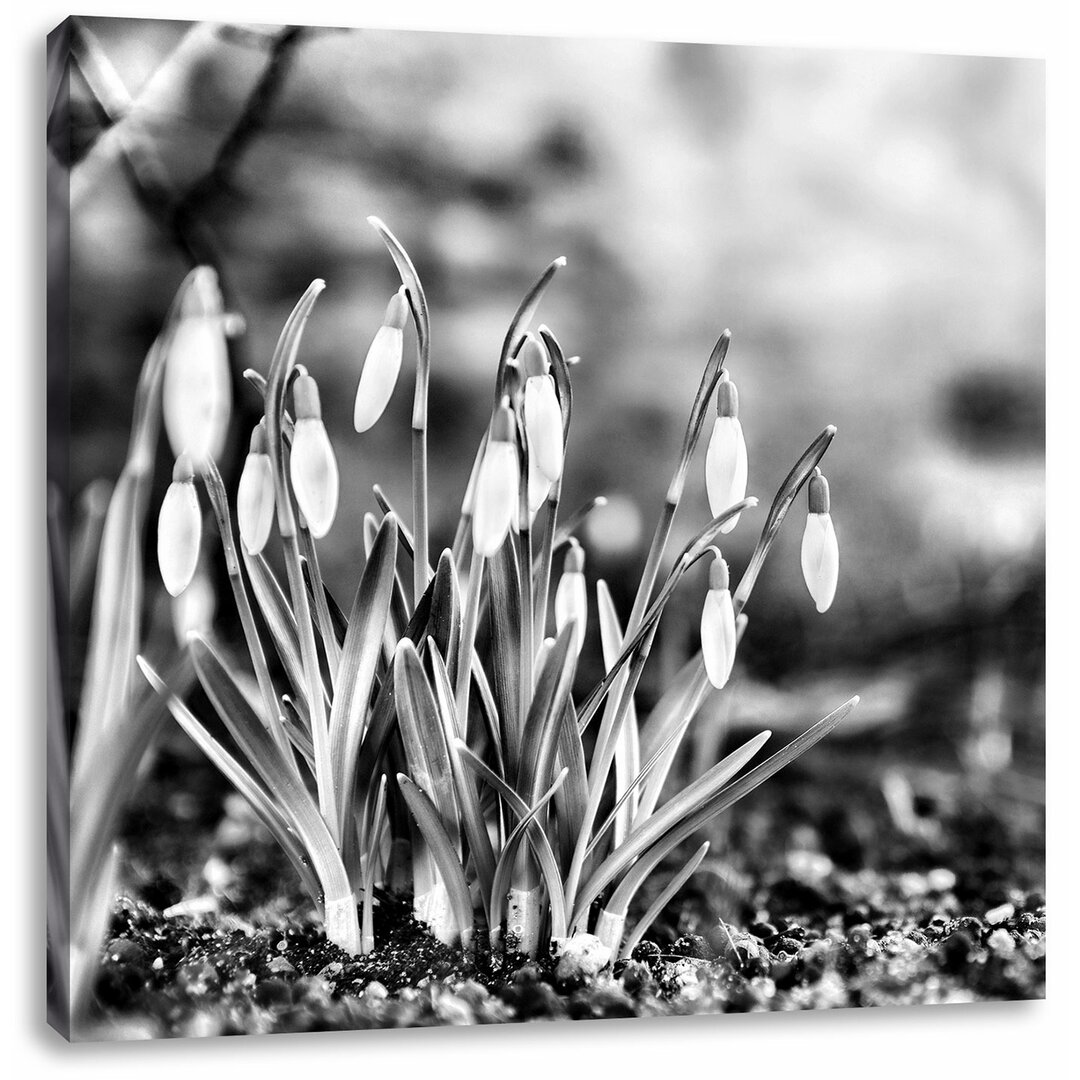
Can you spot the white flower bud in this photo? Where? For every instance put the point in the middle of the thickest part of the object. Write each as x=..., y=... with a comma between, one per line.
x=495, y=501
x=540, y=410
x=196, y=389
x=725, y=462
x=312, y=465
x=194, y=608
x=539, y=487
x=255, y=495
x=382, y=365
x=179, y=529
x=571, y=597
x=718, y=637
x=820, y=553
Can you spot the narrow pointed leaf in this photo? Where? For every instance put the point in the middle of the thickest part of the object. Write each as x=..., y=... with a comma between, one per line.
x=257, y=797
x=673, y=835
x=538, y=840
x=421, y=730
x=472, y=819
x=657, y=906
x=522, y=317
x=665, y=820
x=359, y=658
x=546, y=857
x=541, y=732
x=279, y=620
x=443, y=852
x=668, y=724
x=253, y=739
x=627, y=753
x=506, y=613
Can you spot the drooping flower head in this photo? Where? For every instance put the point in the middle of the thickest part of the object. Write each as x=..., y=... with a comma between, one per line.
x=196, y=387
x=495, y=498
x=312, y=465
x=382, y=364
x=179, y=529
x=820, y=553
x=718, y=636
x=725, y=462
x=571, y=596
x=540, y=410
x=255, y=494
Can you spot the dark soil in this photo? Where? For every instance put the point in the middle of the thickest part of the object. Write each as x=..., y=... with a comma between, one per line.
x=813, y=897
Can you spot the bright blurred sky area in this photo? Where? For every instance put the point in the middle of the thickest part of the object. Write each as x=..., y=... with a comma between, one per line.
x=869, y=225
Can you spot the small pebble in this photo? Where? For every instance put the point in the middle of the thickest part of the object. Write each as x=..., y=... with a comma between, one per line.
x=123, y=951
x=636, y=977
x=453, y=1011
x=581, y=956
x=912, y=885
x=1001, y=942
x=1000, y=914
x=647, y=952
x=941, y=880
x=809, y=866
x=694, y=946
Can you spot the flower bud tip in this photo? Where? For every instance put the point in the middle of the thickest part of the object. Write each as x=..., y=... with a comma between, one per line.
x=502, y=423
x=818, y=493
x=259, y=443
x=574, y=563
x=719, y=577
x=727, y=398
x=397, y=311
x=306, y=398
x=183, y=470
x=533, y=357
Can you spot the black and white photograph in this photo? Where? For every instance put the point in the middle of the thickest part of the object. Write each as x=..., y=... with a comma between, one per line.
x=540, y=528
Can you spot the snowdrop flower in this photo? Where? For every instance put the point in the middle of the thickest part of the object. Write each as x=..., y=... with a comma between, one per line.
x=539, y=488
x=571, y=598
x=820, y=554
x=725, y=462
x=255, y=494
x=381, y=367
x=495, y=499
x=718, y=625
x=312, y=465
x=540, y=411
x=197, y=388
x=179, y=529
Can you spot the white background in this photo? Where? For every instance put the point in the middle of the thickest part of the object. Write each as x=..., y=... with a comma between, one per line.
x=1022, y=1039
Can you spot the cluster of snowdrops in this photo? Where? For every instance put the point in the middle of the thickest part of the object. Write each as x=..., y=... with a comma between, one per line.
x=425, y=739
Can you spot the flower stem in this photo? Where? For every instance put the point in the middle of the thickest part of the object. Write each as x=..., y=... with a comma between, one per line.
x=322, y=609
x=471, y=617
x=543, y=571
x=215, y=488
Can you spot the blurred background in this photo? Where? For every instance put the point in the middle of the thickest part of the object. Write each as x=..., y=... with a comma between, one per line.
x=869, y=225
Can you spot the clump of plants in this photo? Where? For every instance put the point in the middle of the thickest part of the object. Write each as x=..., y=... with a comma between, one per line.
x=424, y=738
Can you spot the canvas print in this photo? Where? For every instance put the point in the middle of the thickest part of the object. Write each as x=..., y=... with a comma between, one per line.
x=540, y=529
